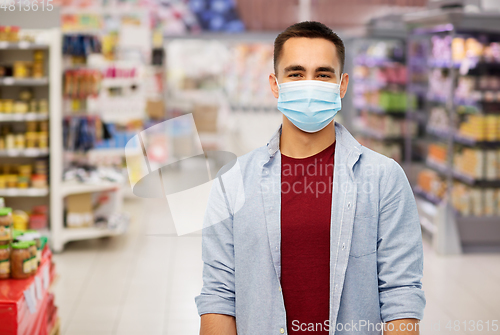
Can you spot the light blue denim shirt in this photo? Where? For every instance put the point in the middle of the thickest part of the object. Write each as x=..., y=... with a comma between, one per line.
x=376, y=258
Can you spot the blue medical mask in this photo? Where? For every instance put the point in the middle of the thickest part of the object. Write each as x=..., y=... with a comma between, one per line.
x=309, y=104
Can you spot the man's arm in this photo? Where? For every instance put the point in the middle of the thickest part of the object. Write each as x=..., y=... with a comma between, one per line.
x=216, y=302
x=399, y=249
x=402, y=327
x=217, y=324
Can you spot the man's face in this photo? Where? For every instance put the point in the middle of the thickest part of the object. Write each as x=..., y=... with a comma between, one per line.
x=305, y=58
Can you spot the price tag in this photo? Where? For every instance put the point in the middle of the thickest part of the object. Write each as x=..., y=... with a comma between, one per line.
x=30, y=300
x=38, y=287
x=8, y=81
x=24, y=45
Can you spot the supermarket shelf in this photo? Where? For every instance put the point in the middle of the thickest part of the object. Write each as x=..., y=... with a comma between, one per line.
x=439, y=167
x=69, y=188
x=76, y=234
x=380, y=111
x=24, y=192
x=460, y=139
x=31, y=116
x=378, y=136
x=426, y=196
x=22, y=45
x=466, y=179
x=31, y=152
x=10, y=81
x=472, y=142
x=441, y=133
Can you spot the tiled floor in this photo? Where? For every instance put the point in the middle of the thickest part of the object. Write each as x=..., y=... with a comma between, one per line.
x=145, y=282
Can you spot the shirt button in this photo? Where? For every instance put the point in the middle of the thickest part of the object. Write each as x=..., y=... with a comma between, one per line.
x=265, y=172
x=348, y=205
x=343, y=246
x=282, y=331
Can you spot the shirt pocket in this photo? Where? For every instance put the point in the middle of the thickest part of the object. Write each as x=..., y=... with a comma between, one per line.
x=364, y=236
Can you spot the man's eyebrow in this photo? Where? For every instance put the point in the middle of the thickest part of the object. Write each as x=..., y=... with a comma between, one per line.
x=325, y=69
x=294, y=68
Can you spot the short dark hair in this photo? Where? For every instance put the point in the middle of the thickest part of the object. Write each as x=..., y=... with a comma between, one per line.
x=310, y=29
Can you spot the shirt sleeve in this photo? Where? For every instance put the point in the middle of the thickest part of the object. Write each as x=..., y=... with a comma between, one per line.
x=399, y=249
x=217, y=294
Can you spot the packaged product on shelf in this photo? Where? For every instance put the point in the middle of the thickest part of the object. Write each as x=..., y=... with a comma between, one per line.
x=38, y=57
x=498, y=163
x=10, y=141
x=22, y=182
x=473, y=127
x=8, y=106
x=22, y=69
x=492, y=161
x=5, y=225
x=430, y=182
x=458, y=48
x=477, y=202
x=492, y=130
x=11, y=181
x=9, y=33
x=497, y=203
x=31, y=139
x=43, y=106
x=26, y=95
x=489, y=202
x=437, y=153
x=20, y=107
x=20, y=260
x=470, y=162
x=20, y=220
x=438, y=119
x=37, y=237
x=4, y=261
x=461, y=198
x=20, y=141
x=33, y=253
x=43, y=140
x=38, y=217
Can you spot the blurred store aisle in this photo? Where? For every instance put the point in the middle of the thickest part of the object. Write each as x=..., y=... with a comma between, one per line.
x=145, y=282
x=141, y=283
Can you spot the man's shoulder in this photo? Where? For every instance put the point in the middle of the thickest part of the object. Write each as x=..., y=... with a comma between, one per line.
x=374, y=161
x=254, y=158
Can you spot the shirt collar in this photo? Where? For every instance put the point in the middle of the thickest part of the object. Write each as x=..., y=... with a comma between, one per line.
x=342, y=136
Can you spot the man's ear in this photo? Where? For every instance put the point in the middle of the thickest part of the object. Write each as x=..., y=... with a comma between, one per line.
x=343, y=86
x=274, y=85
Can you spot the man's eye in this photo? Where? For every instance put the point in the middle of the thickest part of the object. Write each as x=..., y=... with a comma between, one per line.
x=326, y=76
x=295, y=75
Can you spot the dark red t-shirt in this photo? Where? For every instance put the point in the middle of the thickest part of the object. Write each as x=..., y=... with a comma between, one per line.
x=306, y=202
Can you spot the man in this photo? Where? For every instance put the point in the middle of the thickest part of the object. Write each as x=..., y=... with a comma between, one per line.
x=328, y=239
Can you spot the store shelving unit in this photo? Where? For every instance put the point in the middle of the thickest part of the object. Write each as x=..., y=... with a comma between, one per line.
x=450, y=229
x=47, y=87
x=378, y=56
x=54, y=195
